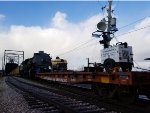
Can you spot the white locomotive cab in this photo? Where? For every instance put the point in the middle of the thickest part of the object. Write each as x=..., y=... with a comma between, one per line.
x=119, y=53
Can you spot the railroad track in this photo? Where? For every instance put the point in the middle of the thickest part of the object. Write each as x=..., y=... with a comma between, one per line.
x=71, y=98
x=33, y=100
x=51, y=102
x=139, y=106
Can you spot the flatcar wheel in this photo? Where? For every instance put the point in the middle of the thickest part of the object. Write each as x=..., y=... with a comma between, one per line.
x=104, y=91
x=109, y=64
x=127, y=94
x=96, y=89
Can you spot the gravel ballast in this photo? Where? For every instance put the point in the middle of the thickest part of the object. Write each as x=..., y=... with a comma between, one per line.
x=11, y=101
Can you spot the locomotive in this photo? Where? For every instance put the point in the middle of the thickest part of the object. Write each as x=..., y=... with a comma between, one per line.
x=41, y=63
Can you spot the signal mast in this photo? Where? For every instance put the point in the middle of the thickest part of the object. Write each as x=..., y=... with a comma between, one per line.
x=107, y=28
x=119, y=55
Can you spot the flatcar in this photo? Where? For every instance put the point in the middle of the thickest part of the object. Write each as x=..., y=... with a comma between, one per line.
x=124, y=85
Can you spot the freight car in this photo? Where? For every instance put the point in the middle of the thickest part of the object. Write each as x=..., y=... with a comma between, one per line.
x=126, y=86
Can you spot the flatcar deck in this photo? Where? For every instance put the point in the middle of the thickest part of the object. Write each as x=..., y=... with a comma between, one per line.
x=120, y=78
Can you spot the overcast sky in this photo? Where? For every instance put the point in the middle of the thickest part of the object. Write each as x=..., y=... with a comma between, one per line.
x=64, y=29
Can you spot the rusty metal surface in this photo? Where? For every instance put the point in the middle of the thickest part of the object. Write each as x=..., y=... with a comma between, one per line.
x=121, y=78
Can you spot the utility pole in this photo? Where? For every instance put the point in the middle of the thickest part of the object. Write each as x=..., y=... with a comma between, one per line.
x=106, y=27
x=2, y=63
x=88, y=62
x=106, y=35
x=109, y=11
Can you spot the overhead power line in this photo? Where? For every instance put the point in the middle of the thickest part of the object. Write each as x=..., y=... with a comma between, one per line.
x=129, y=25
x=76, y=47
x=132, y=22
x=134, y=31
